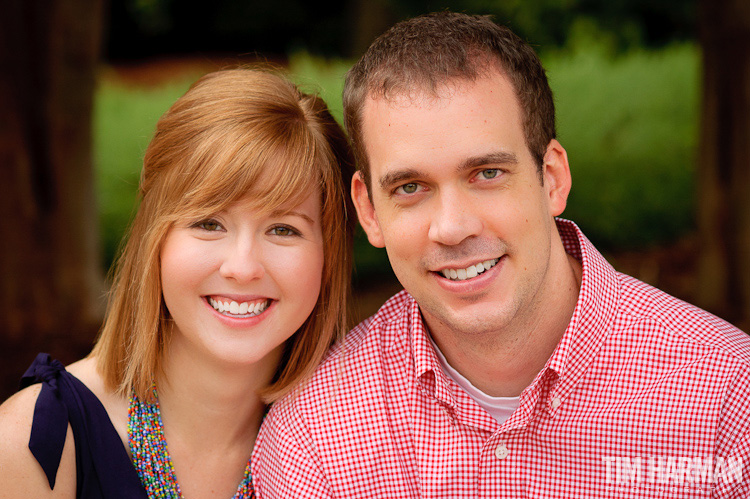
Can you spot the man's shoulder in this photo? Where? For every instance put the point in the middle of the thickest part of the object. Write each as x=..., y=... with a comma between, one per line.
x=346, y=409
x=353, y=366
x=388, y=324
x=681, y=321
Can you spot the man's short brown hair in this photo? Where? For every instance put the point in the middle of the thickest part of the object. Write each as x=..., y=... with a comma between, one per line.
x=424, y=53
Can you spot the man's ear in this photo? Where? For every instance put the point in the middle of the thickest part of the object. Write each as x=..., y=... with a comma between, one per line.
x=366, y=211
x=557, y=180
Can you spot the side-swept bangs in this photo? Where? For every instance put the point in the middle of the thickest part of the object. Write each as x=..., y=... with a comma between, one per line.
x=241, y=145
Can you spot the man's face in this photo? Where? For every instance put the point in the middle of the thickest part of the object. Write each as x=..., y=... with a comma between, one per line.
x=458, y=203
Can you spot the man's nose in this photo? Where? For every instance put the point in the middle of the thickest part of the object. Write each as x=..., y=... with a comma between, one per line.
x=242, y=261
x=454, y=219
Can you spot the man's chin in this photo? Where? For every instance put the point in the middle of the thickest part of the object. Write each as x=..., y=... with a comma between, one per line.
x=467, y=320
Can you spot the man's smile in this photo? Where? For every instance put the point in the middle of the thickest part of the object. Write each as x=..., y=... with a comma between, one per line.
x=470, y=271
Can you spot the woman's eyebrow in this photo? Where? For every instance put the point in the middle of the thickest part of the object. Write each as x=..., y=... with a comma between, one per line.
x=292, y=213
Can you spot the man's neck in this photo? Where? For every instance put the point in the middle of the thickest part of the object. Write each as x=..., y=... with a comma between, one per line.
x=503, y=363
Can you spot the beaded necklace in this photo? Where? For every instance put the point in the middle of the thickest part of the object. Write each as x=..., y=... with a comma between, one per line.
x=151, y=456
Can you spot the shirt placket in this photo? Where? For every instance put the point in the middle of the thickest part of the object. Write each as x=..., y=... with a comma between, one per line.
x=504, y=468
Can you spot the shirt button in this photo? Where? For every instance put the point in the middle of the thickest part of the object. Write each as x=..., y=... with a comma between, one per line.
x=501, y=451
x=556, y=402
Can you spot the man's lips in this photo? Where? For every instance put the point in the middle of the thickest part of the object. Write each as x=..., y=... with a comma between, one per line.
x=461, y=274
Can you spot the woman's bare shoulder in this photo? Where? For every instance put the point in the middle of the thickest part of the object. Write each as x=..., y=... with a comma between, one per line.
x=115, y=404
x=20, y=473
x=85, y=370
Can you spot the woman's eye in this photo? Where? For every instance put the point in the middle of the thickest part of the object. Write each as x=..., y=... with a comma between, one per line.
x=409, y=188
x=490, y=173
x=208, y=225
x=282, y=230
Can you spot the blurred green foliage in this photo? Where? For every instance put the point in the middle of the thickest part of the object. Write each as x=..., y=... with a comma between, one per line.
x=124, y=120
x=630, y=126
x=628, y=121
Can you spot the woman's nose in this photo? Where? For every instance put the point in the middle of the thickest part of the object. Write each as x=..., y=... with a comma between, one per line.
x=242, y=262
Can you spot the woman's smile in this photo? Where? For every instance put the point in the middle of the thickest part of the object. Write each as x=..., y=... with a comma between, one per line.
x=231, y=307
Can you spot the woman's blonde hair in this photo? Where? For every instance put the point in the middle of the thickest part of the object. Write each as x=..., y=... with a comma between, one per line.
x=235, y=133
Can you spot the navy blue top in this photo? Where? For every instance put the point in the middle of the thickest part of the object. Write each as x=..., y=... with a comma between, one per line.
x=103, y=468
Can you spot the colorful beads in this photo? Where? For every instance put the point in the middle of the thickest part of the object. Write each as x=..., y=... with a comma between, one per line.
x=151, y=455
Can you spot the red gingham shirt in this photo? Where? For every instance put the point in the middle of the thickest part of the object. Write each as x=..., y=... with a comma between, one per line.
x=644, y=396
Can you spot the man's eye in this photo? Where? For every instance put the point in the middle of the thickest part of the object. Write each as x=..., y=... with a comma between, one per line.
x=409, y=188
x=490, y=173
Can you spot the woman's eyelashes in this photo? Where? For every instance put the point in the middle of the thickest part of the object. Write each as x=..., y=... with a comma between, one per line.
x=209, y=225
x=284, y=231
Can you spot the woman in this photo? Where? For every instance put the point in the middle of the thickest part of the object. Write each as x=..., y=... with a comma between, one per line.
x=231, y=287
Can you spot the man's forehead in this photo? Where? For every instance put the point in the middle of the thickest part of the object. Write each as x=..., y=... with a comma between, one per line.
x=398, y=132
x=379, y=110
x=423, y=96
x=430, y=95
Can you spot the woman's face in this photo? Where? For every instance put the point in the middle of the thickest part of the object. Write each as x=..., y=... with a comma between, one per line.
x=238, y=284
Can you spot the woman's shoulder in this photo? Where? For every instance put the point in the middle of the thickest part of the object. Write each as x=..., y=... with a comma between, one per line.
x=18, y=410
x=20, y=472
x=115, y=405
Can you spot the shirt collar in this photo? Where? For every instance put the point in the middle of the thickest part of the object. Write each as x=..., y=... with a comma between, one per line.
x=589, y=325
x=425, y=358
x=593, y=315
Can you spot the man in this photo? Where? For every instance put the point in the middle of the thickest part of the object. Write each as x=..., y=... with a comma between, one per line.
x=516, y=362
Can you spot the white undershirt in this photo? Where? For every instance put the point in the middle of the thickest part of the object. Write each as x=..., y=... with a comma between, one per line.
x=500, y=408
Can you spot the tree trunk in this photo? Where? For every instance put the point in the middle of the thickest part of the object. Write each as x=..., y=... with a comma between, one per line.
x=51, y=288
x=724, y=167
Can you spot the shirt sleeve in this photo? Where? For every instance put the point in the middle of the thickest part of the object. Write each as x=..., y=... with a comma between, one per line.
x=285, y=461
x=732, y=477
x=732, y=462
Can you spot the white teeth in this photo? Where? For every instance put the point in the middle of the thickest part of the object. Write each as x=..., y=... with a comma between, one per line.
x=470, y=271
x=244, y=308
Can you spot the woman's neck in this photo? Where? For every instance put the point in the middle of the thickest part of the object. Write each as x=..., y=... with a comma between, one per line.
x=208, y=406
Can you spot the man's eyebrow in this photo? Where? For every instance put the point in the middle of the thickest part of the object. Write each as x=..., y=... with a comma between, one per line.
x=292, y=213
x=494, y=158
x=395, y=177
